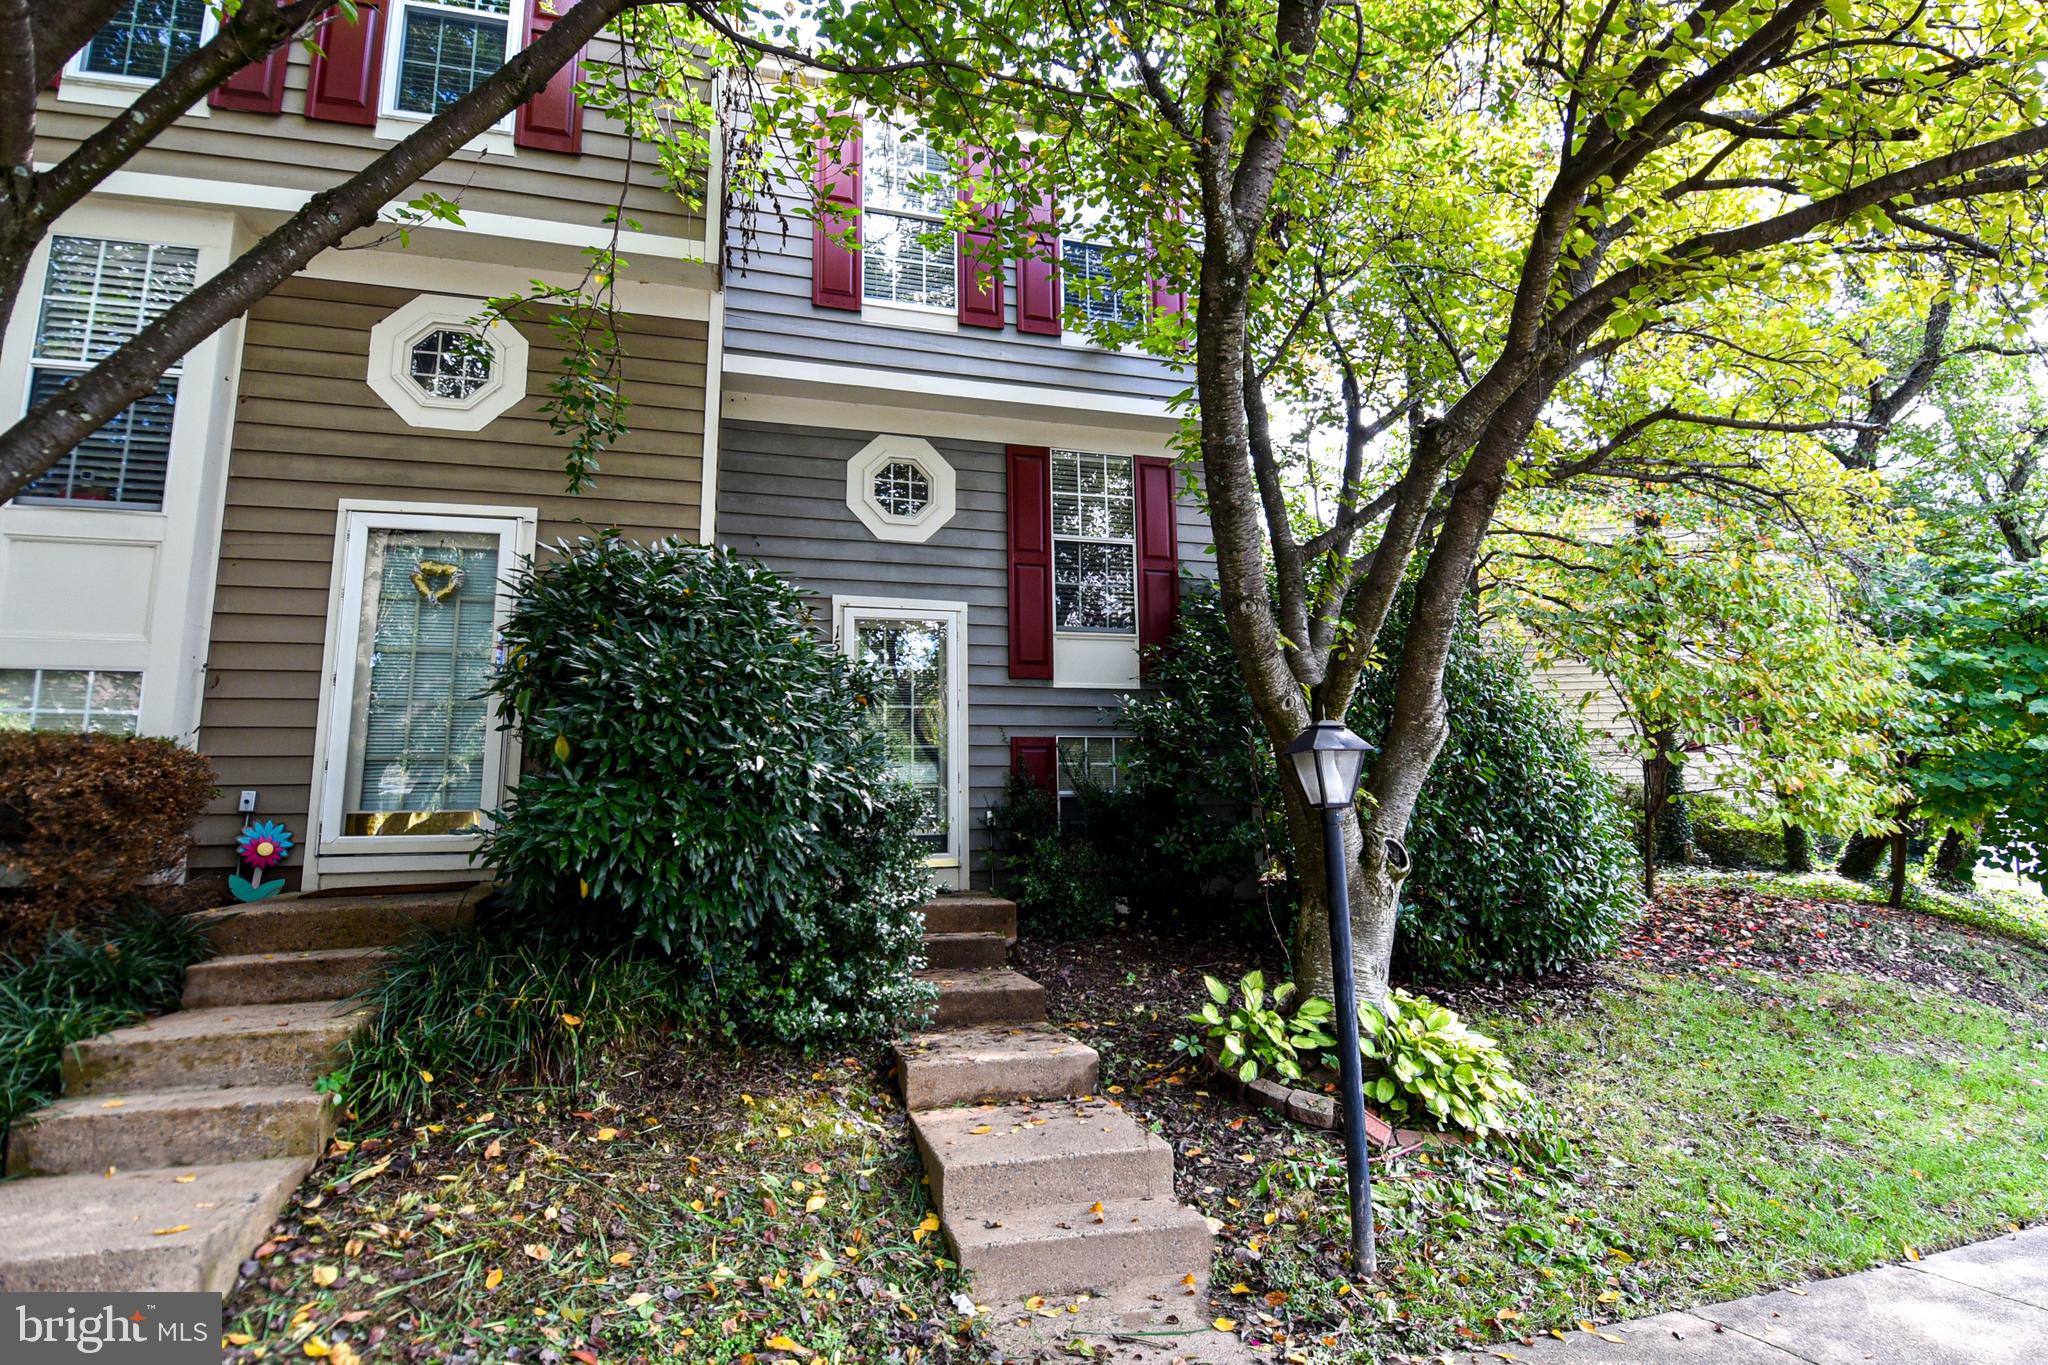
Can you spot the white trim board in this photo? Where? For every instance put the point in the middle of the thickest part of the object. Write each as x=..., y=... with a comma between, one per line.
x=1020, y=424
x=714, y=370
x=784, y=377
x=484, y=279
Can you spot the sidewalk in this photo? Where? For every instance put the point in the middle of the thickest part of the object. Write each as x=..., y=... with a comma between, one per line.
x=1985, y=1304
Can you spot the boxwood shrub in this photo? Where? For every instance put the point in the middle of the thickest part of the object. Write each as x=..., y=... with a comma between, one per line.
x=703, y=776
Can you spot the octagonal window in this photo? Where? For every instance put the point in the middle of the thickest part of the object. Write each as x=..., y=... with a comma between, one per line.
x=902, y=489
x=449, y=364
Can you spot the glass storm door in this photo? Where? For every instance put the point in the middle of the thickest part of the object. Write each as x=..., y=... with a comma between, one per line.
x=415, y=755
x=918, y=648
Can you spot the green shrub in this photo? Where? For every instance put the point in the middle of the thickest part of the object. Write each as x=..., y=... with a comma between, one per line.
x=85, y=820
x=704, y=776
x=1430, y=1063
x=1729, y=837
x=1522, y=854
x=505, y=1001
x=84, y=983
x=1061, y=884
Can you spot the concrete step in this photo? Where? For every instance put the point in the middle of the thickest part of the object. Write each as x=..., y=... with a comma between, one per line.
x=985, y=996
x=945, y=951
x=97, y=1232
x=966, y=1066
x=1163, y=1327
x=280, y=978
x=292, y=924
x=165, y=1127
x=1134, y=1246
x=236, y=1045
x=970, y=914
x=997, y=1159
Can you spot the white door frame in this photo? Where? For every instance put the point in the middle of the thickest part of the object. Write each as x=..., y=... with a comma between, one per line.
x=951, y=864
x=330, y=852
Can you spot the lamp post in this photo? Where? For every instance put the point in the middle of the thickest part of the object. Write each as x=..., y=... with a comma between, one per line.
x=1329, y=760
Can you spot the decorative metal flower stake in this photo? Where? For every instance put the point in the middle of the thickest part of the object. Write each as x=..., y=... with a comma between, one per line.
x=262, y=845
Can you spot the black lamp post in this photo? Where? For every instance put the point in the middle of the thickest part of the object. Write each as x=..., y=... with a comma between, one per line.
x=1329, y=760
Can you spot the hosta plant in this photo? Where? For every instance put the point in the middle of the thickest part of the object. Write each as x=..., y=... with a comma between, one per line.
x=1255, y=1032
x=1430, y=1063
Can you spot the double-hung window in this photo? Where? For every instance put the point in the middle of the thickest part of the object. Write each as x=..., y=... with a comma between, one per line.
x=145, y=40
x=1086, y=763
x=1085, y=278
x=906, y=189
x=97, y=294
x=1094, y=550
x=74, y=700
x=445, y=49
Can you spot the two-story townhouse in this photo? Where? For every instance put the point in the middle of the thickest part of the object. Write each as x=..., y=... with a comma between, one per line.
x=289, y=553
x=980, y=497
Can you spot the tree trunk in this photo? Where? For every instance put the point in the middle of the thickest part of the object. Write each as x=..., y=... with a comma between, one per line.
x=1656, y=795
x=1860, y=856
x=1899, y=839
x=1957, y=849
x=1372, y=929
x=1798, y=848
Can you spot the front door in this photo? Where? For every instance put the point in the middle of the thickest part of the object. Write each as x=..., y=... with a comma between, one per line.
x=920, y=650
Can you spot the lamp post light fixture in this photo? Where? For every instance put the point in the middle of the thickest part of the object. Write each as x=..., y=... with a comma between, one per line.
x=1328, y=761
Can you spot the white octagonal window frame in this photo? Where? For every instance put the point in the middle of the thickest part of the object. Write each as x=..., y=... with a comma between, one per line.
x=390, y=372
x=867, y=465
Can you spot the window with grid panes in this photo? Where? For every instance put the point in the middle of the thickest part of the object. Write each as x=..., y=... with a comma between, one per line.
x=906, y=188
x=146, y=39
x=97, y=294
x=72, y=700
x=1086, y=763
x=1084, y=275
x=446, y=49
x=1094, y=543
x=425, y=649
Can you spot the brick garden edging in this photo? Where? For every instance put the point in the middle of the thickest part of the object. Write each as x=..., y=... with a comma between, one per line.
x=1318, y=1110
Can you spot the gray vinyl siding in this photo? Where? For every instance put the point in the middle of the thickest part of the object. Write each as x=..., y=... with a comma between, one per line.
x=782, y=500
x=769, y=313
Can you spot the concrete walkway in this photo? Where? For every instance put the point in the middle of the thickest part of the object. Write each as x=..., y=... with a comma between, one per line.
x=1985, y=1304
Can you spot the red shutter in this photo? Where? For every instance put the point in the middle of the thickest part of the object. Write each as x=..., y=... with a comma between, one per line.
x=257, y=88
x=1167, y=299
x=1158, y=556
x=551, y=121
x=1038, y=275
x=981, y=269
x=835, y=268
x=341, y=87
x=1030, y=496
x=1037, y=759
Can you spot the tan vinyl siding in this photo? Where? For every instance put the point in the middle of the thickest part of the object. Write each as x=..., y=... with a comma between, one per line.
x=290, y=151
x=309, y=432
x=1591, y=698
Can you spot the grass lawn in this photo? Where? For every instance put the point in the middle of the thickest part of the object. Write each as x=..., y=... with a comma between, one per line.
x=1769, y=1081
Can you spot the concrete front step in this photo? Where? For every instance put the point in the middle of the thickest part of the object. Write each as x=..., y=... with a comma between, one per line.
x=946, y=951
x=966, y=1066
x=166, y=1127
x=167, y=1228
x=993, y=1160
x=238, y=1045
x=970, y=914
x=291, y=924
x=279, y=978
x=986, y=996
x=1133, y=1246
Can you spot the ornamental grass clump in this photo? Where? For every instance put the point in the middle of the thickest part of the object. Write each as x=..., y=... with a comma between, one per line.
x=704, y=777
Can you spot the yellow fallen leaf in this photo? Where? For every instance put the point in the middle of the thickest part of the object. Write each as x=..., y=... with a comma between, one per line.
x=325, y=1275
x=1912, y=1253
x=814, y=1203
x=779, y=1342
x=1609, y=1336
x=1035, y=1302
x=635, y=1300
x=186, y=1179
x=237, y=1338
x=607, y=1134
x=622, y=1258
x=427, y=1076
x=1240, y=1288
x=344, y=1354
x=572, y=1020
x=493, y=1278
x=1225, y=1324
x=925, y=1229
x=165, y=1232
x=113, y=1104
x=537, y=1251
x=317, y=1349
x=979, y=1129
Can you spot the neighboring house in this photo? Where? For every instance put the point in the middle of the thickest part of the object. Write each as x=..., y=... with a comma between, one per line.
x=981, y=499
x=287, y=554
x=1587, y=694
